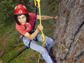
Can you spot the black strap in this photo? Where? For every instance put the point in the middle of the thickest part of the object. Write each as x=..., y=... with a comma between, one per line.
x=29, y=43
x=32, y=31
x=25, y=27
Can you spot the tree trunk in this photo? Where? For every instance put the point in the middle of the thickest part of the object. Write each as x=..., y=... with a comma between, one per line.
x=69, y=32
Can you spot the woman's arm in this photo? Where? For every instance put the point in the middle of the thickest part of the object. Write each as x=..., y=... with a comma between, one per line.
x=33, y=35
x=43, y=17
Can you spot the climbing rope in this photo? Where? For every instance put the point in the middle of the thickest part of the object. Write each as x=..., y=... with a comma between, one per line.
x=37, y=3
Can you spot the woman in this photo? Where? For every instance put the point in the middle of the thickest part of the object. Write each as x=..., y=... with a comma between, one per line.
x=25, y=25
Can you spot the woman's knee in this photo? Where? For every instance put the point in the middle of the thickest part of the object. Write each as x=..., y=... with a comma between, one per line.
x=52, y=41
x=44, y=51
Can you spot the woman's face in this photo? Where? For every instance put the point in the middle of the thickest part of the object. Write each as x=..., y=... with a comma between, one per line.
x=22, y=19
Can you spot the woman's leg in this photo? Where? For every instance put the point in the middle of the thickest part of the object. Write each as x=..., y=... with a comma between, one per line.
x=49, y=41
x=40, y=49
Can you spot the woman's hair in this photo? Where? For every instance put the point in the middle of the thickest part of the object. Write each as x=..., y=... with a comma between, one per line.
x=15, y=17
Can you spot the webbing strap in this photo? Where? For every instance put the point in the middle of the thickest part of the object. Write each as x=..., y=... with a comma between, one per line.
x=35, y=15
x=29, y=43
x=27, y=47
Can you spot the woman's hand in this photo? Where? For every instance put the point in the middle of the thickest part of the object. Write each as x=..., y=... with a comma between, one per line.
x=56, y=17
x=40, y=27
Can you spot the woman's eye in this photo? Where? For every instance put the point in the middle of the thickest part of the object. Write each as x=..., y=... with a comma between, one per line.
x=23, y=17
x=18, y=18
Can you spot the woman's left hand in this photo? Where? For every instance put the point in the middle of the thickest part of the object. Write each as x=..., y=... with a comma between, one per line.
x=56, y=17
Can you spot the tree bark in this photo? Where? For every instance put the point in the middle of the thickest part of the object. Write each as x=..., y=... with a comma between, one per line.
x=69, y=32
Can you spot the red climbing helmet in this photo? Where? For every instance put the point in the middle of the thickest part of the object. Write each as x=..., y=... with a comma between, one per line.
x=20, y=9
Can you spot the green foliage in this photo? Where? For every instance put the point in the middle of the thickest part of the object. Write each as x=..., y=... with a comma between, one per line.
x=6, y=12
x=10, y=55
x=31, y=6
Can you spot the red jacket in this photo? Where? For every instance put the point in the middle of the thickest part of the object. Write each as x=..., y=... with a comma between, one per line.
x=21, y=28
